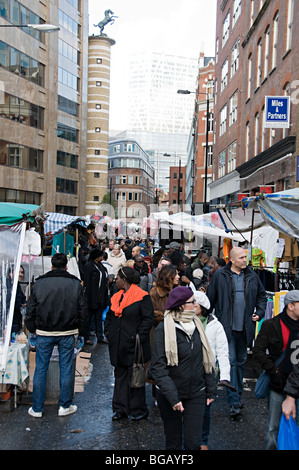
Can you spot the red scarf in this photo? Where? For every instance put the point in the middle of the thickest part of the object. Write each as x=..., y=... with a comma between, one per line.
x=123, y=299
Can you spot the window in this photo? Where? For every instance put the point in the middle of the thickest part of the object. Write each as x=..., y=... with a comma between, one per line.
x=67, y=159
x=223, y=118
x=66, y=186
x=96, y=198
x=99, y=61
x=96, y=175
x=235, y=58
x=67, y=132
x=221, y=167
x=217, y=50
x=232, y=153
x=259, y=63
x=249, y=73
x=98, y=106
x=224, y=74
x=236, y=12
x=247, y=136
x=130, y=179
x=130, y=196
x=67, y=106
x=98, y=152
x=290, y=24
x=233, y=108
x=98, y=83
x=116, y=148
x=97, y=129
x=263, y=141
x=124, y=179
x=251, y=13
x=275, y=40
x=123, y=196
x=267, y=51
x=129, y=147
x=225, y=29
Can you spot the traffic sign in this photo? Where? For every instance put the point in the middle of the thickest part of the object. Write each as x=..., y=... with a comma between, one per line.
x=277, y=111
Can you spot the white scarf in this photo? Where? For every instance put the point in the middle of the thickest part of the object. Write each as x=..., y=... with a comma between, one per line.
x=171, y=348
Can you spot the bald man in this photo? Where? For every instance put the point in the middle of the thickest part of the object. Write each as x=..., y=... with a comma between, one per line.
x=239, y=299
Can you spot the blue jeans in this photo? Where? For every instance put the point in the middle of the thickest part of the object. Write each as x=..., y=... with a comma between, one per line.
x=237, y=347
x=44, y=348
x=274, y=408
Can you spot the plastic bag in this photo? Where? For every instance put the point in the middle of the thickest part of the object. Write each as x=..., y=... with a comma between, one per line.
x=288, y=434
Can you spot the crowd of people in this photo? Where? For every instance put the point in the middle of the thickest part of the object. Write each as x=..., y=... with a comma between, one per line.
x=194, y=318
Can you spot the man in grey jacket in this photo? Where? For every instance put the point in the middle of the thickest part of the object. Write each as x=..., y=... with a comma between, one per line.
x=57, y=313
x=239, y=299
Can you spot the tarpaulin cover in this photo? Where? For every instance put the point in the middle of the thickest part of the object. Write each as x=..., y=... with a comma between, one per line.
x=279, y=210
x=12, y=213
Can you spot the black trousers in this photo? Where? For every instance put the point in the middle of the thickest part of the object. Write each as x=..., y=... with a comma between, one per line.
x=186, y=426
x=127, y=400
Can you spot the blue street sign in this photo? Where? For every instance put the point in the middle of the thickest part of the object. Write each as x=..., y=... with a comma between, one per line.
x=277, y=111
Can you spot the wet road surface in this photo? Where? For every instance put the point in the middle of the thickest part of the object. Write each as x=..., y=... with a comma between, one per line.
x=91, y=427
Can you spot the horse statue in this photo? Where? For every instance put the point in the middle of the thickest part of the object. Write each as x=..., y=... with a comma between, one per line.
x=109, y=18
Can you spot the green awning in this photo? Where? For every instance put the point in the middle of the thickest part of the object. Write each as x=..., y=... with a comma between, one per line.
x=12, y=213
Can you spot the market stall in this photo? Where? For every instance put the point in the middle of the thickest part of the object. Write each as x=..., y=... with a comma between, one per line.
x=16, y=222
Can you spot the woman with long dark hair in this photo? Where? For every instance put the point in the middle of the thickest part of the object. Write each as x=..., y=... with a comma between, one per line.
x=131, y=313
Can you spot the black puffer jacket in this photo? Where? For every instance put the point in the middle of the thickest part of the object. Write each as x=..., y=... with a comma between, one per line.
x=187, y=379
x=221, y=295
x=56, y=304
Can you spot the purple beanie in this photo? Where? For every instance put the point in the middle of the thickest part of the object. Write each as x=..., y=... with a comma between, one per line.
x=178, y=296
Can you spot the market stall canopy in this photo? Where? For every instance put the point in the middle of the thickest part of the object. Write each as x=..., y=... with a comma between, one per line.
x=56, y=222
x=280, y=210
x=12, y=213
x=202, y=225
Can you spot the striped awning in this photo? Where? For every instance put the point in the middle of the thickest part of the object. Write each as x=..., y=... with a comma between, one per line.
x=56, y=222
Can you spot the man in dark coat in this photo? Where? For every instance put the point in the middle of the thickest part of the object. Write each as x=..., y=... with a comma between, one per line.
x=239, y=299
x=57, y=313
x=96, y=292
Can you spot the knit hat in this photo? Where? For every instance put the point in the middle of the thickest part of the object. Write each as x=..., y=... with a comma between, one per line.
x=198, y=273
x=292, y=296
x=178, y=296
x=202, y=299
x=95, y=253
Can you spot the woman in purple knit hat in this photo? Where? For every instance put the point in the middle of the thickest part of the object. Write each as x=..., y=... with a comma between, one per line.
x=182, y=366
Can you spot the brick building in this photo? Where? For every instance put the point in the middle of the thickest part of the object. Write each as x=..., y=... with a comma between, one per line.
x=177, y=185
x=255, y=58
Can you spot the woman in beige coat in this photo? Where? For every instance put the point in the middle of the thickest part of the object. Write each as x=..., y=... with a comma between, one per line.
x=117, y=259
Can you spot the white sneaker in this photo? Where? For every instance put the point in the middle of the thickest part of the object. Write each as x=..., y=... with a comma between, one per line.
x=35, y=414
x=67, y=411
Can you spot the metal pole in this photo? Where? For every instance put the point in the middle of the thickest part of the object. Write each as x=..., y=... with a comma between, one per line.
x=205, y=204
x=179, y=184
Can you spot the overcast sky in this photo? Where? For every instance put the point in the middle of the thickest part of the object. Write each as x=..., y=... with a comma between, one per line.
x=183, y=28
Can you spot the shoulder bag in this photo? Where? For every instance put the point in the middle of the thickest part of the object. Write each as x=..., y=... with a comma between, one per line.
x=262, y=385
x=138, y=371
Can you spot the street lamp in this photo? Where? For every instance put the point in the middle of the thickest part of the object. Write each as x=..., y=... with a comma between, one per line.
x=187, y=92
x=46, y=28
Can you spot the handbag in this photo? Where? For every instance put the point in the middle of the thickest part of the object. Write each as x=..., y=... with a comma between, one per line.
x=288, y=434
x=138, y=370
x=262, y=384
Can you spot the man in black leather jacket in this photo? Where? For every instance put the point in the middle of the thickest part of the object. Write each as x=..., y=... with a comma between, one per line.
x=239, y=299
x=57, y=313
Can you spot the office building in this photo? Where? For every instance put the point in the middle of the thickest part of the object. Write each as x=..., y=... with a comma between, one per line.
x=43, y=105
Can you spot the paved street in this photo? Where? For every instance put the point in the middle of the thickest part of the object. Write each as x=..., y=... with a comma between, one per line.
x=91, y=427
